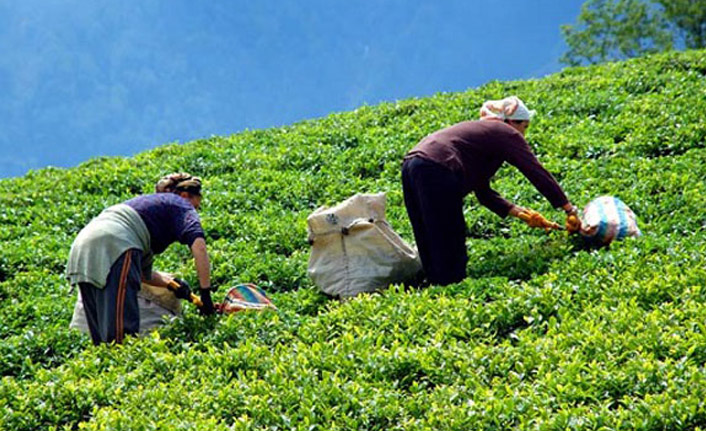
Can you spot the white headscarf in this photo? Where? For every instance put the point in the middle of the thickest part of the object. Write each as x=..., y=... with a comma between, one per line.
x=509, y=108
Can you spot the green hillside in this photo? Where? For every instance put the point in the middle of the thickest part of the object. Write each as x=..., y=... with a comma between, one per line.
x=545, y=334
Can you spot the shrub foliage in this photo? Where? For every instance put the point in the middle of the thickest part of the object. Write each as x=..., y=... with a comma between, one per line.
x=544, y=334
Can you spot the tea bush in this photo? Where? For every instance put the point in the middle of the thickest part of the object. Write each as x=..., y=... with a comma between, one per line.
x=544, y=334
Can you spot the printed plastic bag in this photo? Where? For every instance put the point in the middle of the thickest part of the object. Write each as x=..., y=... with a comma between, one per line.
x=355, y=250
x=245, y=297
x=606, y=219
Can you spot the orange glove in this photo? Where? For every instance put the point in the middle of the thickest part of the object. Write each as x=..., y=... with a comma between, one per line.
x=573, y=222
x=535, y=219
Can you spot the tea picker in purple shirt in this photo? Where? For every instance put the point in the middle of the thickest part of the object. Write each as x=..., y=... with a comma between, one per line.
x=113, y=254
x=450, y=163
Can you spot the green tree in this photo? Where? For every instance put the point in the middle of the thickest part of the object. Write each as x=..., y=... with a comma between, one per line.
x=688, y=19
x=616, y=29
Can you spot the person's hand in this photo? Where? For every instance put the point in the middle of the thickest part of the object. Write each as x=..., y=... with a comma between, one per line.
x=535, y=219
x=218, y=306
x=573, y=222
x=183, y=291
x=207, y=308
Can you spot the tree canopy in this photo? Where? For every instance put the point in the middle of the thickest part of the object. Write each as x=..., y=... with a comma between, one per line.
x=619, y=29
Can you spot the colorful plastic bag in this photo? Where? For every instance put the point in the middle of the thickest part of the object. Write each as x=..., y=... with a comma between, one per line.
x=606, y=219
x=245, y=297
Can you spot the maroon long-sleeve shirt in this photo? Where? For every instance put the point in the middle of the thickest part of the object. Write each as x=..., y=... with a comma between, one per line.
x=475, y=150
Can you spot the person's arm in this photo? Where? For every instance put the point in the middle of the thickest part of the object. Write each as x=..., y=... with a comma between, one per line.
x=203, y=266
x=573, y=222
x=515, y=211
x=158, y=279
x=492, y=200
x=569, y=208
x=518, y=153
x=522, y=157
x=499, y=205
x=192, y=235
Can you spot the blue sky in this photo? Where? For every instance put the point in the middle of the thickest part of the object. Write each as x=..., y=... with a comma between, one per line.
x=86, y=78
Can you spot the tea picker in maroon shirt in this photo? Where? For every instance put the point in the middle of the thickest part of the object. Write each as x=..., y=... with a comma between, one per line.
x=449, y=164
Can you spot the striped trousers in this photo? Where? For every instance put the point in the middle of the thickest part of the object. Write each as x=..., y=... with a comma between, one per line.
x=112, y=312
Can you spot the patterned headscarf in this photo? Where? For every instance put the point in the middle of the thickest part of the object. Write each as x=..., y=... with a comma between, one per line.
x=179, y=182
x=509, y=108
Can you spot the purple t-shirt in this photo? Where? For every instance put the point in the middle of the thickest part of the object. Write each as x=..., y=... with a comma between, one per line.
x=168, y=218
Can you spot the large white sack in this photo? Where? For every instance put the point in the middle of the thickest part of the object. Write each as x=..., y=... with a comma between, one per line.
x=155, y=304
x=355, y=250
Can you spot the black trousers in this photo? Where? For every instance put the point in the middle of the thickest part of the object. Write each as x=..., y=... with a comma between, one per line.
x=112, y=312
x=434, y=200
